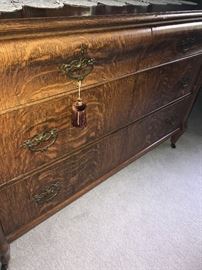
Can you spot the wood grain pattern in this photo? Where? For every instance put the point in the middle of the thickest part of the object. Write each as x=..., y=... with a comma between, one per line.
x=146, y=78
x=84, y=167
x=26, y=28
x=29, y=67
x=4, y=250
x=171, y=42
x=110, y=107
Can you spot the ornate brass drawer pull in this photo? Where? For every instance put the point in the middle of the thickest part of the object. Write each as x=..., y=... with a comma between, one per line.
x=48, y=194
x=79, y=67
x=35, y=144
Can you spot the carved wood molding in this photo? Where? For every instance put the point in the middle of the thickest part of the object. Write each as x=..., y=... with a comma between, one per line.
x=15, y=29
x=13, y=5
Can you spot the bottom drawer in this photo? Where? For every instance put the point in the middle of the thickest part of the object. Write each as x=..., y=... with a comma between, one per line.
x=23, y=202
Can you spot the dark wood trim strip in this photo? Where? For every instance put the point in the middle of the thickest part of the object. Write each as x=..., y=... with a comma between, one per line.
x=183, y=127
x=195, y=92
x=4, y=249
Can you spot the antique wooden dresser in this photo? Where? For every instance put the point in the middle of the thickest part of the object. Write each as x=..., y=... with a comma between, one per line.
x=84, y=91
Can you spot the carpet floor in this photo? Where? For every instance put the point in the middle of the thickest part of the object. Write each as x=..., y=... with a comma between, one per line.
x=146, y=217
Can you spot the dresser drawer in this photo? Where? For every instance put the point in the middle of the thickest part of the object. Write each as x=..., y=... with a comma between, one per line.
x=29, y=68
x=158, y=87
x=25, y=201
x=43, y=132
x=176, y=41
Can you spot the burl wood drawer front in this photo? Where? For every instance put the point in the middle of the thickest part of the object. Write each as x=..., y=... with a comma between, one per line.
x=176, y=41
x=40, y=133
x=32, y=197
x=29, y=67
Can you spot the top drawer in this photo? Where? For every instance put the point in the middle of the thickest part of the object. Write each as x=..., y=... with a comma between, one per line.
x=176, y=41
x=29, y=67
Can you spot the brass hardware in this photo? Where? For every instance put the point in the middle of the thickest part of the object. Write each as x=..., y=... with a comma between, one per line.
x=48, y=194
x=34, y=144
x=79, y=67
x=79, y=119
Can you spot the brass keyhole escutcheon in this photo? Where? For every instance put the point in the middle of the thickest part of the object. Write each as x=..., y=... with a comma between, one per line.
x=79, y=67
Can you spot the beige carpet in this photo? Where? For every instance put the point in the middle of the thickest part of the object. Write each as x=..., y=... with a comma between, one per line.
x=146, y=217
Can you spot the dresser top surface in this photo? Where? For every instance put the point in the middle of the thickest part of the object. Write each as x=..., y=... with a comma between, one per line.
x=79, y=8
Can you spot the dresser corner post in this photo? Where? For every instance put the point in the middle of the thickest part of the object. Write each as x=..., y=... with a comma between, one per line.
x=177, y=135
x=175, y=138
x=4, y=250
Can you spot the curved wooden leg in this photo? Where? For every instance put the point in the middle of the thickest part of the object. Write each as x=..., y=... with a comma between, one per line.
x=173, y=145
x=176, y=136
x=4, y=250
